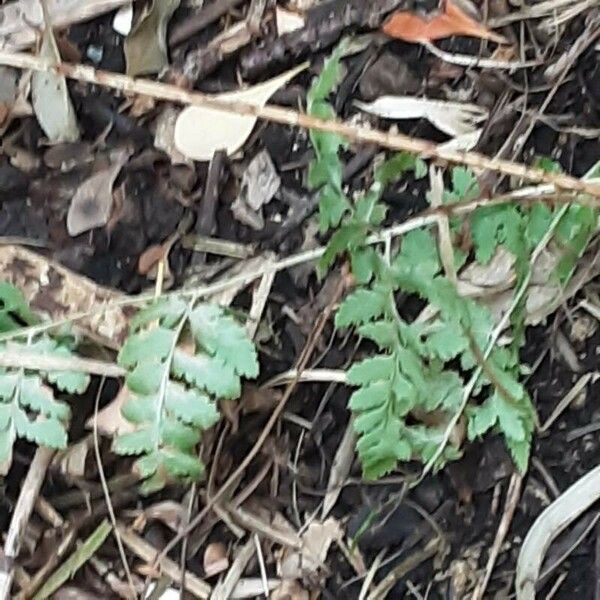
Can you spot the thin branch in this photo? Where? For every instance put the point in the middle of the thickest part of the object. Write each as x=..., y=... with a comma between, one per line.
x=544, y=193
x=106, y=491
x=277, y=114
x=27, y=497
x=512, y=499
x=301, y=364
x=40, y=362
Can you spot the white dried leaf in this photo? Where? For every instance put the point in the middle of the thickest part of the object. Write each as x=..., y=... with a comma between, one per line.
x=50, y=97
x=123, y=20
x=496, y=273
x=288, y=20
x=464, y=142
x=453, y=118
x=201, y=131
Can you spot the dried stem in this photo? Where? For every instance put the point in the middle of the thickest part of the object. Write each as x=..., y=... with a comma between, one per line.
x=23, y=509
x=276, y=114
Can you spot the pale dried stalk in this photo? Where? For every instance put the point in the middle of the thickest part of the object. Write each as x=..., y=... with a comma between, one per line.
x=148, y=553
x=512, y=499
x=27, y=497
x=39, y=362
x=276, y=114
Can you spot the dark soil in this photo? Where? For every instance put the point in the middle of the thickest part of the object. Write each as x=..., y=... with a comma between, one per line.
x=155, y=198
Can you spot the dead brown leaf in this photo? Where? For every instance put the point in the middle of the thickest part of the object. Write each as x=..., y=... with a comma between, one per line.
x=55, y=293
x=71, y=462
x=290, y=589
x=92, y=203
x=150, y=258
x=110, y=421
x=215, y=559
x=171, y=513
x=316, y=541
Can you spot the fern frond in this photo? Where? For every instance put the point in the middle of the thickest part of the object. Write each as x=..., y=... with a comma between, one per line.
x=188, y=358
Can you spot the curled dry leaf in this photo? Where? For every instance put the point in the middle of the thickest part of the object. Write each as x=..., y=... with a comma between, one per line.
x=453, y=118
x=260, y=182
x=50, y=97
x=171, y=513
x=340, y=469
x=71, y=462
x=290, y=589
x=150, y=258
x=411, y=27
x=316, y=541
x=146, y=45
x=215, y=559
x=196, y=135
x=93, y=201
x=56, y=293
x=110, y=421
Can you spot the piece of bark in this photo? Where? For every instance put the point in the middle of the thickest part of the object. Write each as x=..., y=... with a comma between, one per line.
x=196, y=23
x=325, y=25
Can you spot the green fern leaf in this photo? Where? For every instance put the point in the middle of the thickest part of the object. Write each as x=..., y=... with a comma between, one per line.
x=326, y=170
x=207, y=373
x=383, y=333
x=191, y=407
x=362, y=306
x=481, y=419
x=40, y=399
x=330, y=76
x=370, y=370
x=365, y=263
x=443, y=390
x=71, y=382
x=398, y=165
x=169, y=416
x=166, y=311
x=221, y=336
x=465, y=186
x=382, y=448
x=154, y=345
x=520, y=451
x=146, y=377
x=44, y=432
x=14, y=309
x=498, y=225
x=346, y=238
x=142, y=441
x=426, y=441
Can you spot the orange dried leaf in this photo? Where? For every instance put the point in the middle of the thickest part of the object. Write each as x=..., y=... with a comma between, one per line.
x=150, y=257
x=410, y=27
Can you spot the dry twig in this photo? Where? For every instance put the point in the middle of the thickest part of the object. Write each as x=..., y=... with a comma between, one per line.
x=284, y=116
x=25, y=503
